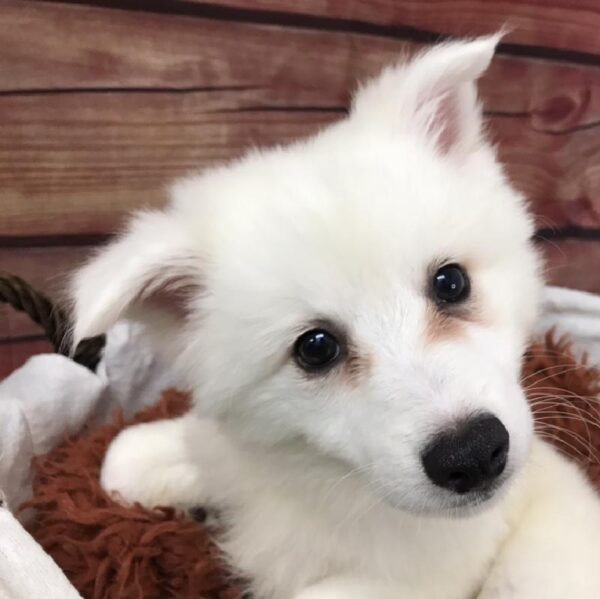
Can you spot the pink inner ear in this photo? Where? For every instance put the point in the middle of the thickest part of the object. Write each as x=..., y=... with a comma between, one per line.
x=172, y=296
x=445, y=122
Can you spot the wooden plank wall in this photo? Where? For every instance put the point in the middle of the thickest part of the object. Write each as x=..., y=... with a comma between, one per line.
x=102, y=103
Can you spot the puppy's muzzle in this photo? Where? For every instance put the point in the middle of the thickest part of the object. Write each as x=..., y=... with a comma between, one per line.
x=468, y=458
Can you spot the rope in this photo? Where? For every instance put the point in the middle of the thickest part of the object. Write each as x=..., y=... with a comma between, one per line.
x=15, y=292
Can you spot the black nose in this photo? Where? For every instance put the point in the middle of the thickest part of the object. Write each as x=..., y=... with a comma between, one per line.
x=468, y=457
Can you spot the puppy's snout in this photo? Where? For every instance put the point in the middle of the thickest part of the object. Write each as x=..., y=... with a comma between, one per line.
x=469, y=457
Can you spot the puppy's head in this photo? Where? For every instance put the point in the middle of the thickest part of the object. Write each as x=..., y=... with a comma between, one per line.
x=368, y=291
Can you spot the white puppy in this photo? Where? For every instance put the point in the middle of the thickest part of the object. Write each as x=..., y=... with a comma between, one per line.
x=351, y=312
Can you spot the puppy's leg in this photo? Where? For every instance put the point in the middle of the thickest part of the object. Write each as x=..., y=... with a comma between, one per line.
x=554, y=552
x=179, y=463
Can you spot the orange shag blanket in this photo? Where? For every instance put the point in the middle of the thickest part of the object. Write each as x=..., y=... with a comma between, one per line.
x=110, y=551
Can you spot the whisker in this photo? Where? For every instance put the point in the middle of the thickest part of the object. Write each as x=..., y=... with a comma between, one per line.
x=548, y=433
x=551, y=375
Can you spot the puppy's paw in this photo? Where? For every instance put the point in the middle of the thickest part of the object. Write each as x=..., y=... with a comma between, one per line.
x=150, y=464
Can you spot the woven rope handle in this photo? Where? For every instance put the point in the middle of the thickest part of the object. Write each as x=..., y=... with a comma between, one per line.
x=15, y=292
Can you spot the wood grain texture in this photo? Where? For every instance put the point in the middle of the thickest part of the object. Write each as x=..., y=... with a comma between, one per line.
x=560, y=24
x=153, y=107
x=47, y=270
x=573, y=263
x=102, y=49
x=54, y=181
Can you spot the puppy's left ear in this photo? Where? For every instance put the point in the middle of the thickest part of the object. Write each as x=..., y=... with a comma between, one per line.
x=434, y=95
x=151, y=272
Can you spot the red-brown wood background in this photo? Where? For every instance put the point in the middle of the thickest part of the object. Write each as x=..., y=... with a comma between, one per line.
x=104, y=102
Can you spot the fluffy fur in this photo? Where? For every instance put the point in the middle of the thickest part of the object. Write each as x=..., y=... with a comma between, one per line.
x=346, y=228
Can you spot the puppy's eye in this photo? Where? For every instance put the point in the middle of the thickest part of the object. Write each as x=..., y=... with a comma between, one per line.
x=316, y=349
x=451, y=284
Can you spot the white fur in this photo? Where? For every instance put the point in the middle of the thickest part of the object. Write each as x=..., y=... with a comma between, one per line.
x=319, y=478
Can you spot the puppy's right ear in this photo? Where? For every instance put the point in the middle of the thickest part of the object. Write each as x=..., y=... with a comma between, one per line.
x=434, y=95
x=151, y=265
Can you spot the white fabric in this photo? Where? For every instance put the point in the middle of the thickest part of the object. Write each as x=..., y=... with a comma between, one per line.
x=135, y=376
x=39, y=403
x=51, y=396
x=575, y=313
x=51, y=382
x=26, y=571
